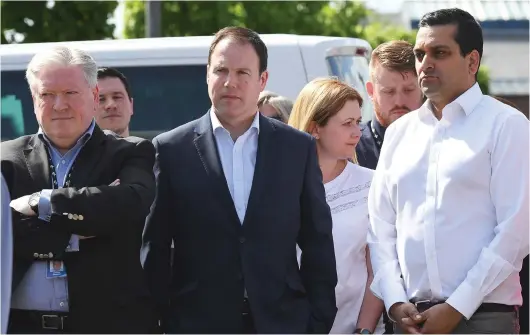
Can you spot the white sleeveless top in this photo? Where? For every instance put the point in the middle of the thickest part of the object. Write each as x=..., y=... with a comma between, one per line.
x=347, y=197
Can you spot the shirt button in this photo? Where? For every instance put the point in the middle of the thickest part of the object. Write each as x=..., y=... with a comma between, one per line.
x=242, y=239
x=63, y=161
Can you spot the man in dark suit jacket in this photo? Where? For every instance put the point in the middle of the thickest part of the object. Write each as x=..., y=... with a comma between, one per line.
x=81, y=196
x=394, y=90
x=236, y=192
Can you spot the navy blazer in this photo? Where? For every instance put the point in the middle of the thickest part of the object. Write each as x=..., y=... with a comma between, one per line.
x=369, y=146
x=216, y=257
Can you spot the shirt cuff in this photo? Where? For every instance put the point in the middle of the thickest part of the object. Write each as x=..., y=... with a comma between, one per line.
x=389, y=290
x=466, y=299
x=73, y=245
x=45, y=205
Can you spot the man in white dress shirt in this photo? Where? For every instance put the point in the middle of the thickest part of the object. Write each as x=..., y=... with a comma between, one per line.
x=449, y=201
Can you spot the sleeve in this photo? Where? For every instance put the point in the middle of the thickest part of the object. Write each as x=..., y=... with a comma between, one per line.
x=106, y=210
x=317, y=265
x=6, y=253
x=45, y=206
x=387, y=284
x=509, y=190
x=156, y=246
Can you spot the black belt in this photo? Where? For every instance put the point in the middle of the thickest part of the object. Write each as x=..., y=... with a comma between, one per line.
x=39, y=320
x=487, y=307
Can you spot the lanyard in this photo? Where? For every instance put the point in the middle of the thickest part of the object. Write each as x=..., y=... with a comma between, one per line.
x=378, y=139
x=53, y=175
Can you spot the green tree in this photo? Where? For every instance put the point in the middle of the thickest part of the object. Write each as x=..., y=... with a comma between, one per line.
x=195, y=18
x=54, y=21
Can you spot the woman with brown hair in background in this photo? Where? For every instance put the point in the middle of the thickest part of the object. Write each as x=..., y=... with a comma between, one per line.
x=330, y=111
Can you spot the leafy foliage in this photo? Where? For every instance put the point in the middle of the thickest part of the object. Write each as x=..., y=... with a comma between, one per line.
x=46, y=21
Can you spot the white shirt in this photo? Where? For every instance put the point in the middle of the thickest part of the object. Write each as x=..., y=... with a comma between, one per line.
x=238, y=160
x=449, y=205
x=347, y=197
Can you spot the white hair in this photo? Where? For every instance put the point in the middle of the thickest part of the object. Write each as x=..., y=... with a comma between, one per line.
x=65, y=56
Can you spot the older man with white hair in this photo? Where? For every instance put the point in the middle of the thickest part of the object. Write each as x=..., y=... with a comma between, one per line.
x=81, y=196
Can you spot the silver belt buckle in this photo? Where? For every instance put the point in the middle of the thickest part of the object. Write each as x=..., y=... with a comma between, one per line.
x=421, y=302
x=46, y=317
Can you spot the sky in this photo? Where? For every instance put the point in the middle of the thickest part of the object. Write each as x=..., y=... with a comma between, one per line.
x=384, y=6
x=118, y=19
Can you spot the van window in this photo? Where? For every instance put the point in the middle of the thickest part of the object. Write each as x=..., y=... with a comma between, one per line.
x=164, y=97
x=354, y=71
x=17, y=117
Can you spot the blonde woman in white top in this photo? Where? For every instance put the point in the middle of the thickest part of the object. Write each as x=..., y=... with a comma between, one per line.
x=331, y=111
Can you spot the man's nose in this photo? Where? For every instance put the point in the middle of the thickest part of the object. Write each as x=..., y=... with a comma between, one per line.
x=399, y=99
x=230, y=80
x=110, y=103
x=426, y=65
x=60, y=103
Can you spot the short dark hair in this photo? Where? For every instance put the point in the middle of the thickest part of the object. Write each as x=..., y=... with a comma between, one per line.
x=242, y=35
x=110, y=72
x=395, y=56
x=468, y=31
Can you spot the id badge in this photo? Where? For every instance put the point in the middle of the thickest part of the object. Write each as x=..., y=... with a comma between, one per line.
x=55, y=269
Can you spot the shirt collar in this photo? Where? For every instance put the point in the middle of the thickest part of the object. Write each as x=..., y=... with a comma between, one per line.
x=469, y=99
x=216, y=124
x=466, y=102
x=83, y=139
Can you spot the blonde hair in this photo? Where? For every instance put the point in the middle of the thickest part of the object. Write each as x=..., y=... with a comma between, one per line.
x=280, y=103
x=320, y=100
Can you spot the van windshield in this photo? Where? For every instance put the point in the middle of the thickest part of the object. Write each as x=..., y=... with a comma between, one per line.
x=164, y=97
x=354, y=71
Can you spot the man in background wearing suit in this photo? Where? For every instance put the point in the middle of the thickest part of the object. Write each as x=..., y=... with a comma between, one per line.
x=6, y=252
x=115, y=101
x=394, y=90
x=81, y=196
x=236, y=192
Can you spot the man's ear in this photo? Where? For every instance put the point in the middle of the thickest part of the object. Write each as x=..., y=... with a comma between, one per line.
x=474, y=62
x=264, y=77
x=370, y=89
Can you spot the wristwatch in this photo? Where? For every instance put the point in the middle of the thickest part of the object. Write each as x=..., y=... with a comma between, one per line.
x=362, y=331
x=33, y=202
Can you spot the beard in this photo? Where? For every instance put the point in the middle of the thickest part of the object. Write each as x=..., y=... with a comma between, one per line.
x=385, y=121
x=386, y=118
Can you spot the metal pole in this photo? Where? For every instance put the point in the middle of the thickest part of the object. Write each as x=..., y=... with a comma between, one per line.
x=153, y=15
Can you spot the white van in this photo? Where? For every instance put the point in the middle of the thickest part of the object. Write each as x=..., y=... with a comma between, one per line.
x=168, y=75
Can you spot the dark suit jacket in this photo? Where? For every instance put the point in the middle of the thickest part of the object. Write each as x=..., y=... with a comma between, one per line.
x=107, y=287
x=368, y=149
x=216, y=257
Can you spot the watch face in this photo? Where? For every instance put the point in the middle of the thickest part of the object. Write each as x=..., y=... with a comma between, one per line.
x=34, y=200
x=365, y=331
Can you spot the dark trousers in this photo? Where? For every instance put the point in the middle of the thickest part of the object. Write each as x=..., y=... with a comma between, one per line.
x=248, y=321
x=523, y=311
x=36, y=322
